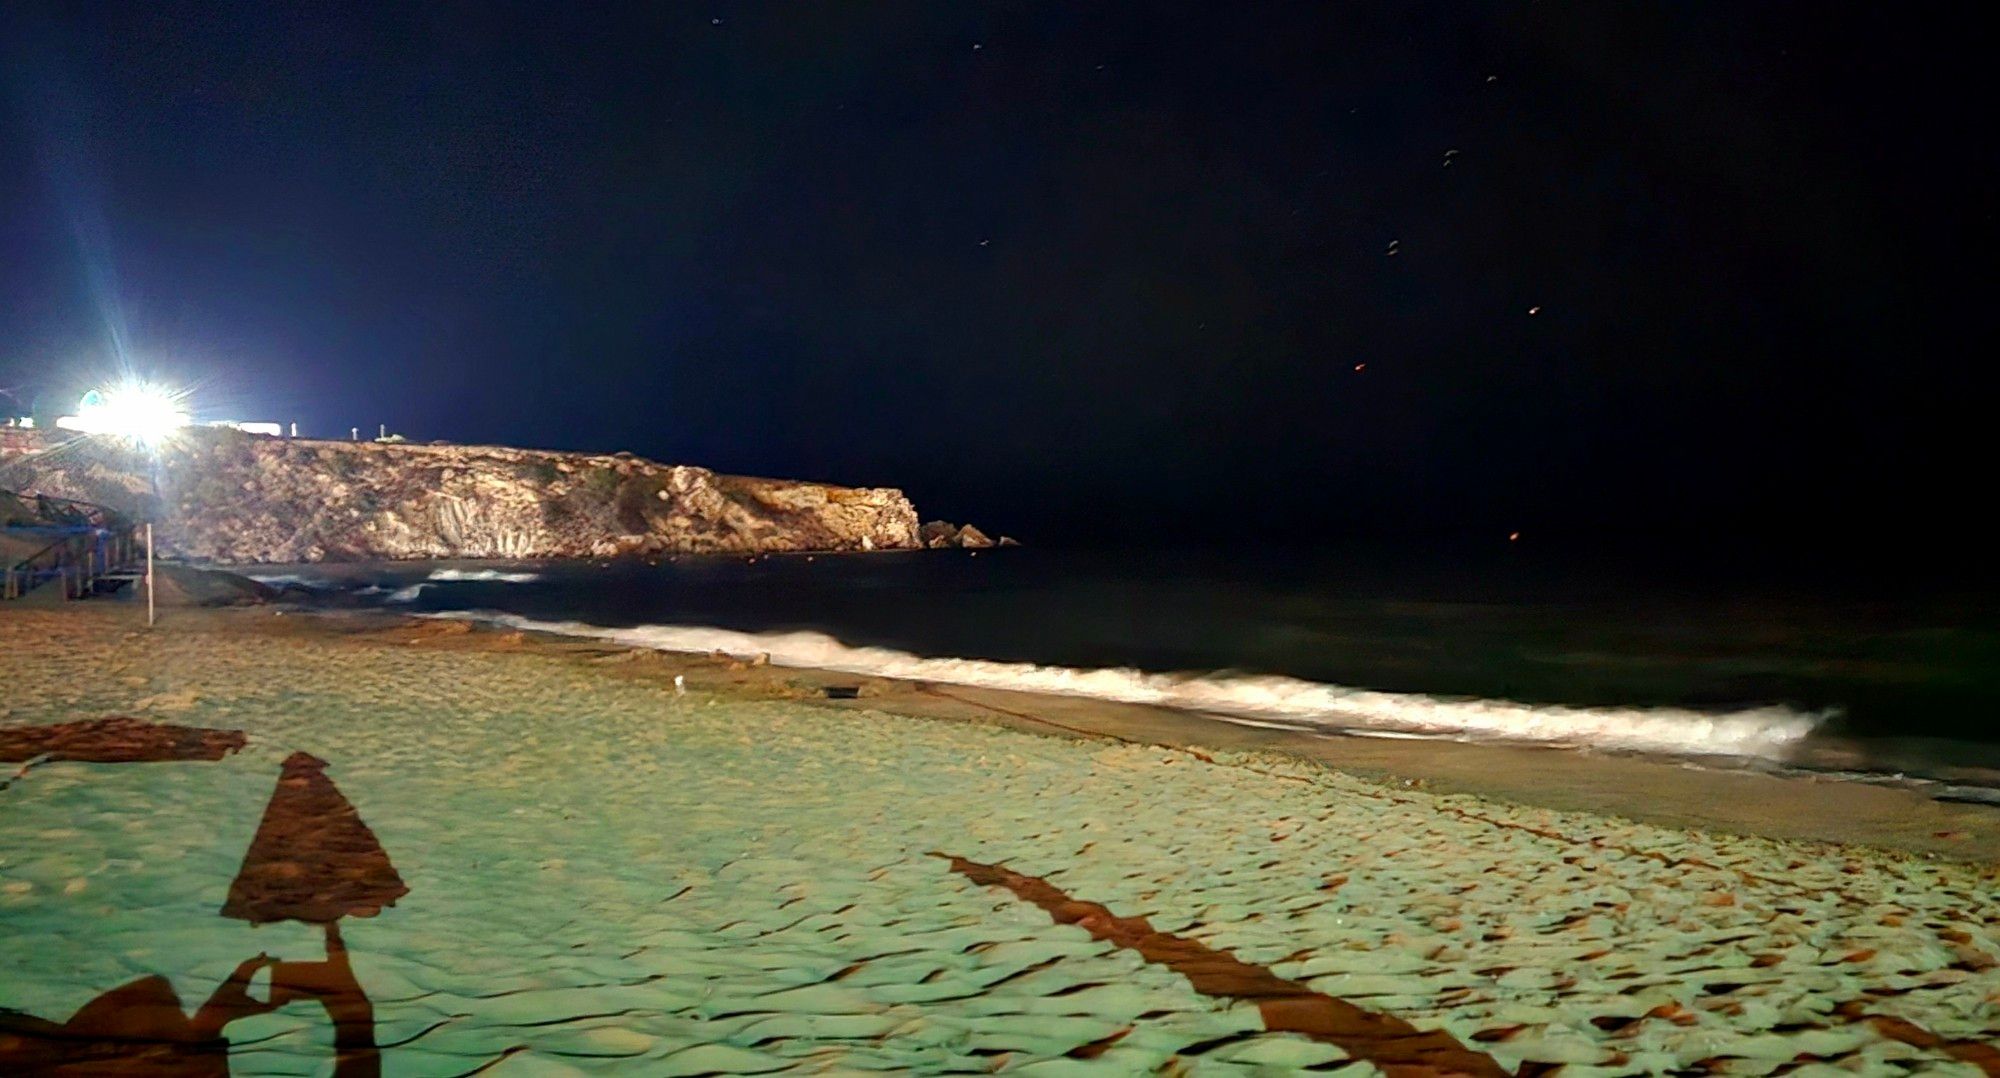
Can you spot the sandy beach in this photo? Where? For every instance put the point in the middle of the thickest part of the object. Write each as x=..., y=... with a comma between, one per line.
x=432, y=849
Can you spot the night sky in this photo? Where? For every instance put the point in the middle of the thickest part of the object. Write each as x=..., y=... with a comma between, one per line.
x=1719, y=273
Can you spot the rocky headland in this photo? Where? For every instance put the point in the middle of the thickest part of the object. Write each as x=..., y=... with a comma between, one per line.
x=231, y=498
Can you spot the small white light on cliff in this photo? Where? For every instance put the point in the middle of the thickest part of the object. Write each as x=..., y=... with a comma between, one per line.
x=141, y=411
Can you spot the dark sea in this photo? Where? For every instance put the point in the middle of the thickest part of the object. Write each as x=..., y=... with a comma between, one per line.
x=1889, y=682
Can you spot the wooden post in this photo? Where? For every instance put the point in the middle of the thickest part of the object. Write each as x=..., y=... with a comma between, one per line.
x=149, y=573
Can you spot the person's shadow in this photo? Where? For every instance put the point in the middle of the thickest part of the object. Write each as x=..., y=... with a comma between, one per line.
x=312, y=860
x=140, y=1029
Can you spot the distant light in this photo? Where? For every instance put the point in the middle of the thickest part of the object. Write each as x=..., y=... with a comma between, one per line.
x=1534, y=310
x=247, y=427
x=141, y=411
x=1513, y=537
x=1359, y=367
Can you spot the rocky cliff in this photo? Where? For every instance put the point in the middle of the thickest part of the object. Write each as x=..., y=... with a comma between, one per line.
x=224, y=496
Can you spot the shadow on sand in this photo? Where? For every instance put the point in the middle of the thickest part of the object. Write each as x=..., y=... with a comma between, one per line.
x=312, y=860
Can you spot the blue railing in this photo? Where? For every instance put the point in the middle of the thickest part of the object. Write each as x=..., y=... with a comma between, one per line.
x=82, y=544
x=84, y=559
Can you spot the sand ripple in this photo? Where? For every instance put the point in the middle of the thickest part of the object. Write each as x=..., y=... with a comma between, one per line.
x=607, y=877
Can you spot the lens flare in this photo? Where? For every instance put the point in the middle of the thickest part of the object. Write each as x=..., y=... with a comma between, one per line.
x=144, y=412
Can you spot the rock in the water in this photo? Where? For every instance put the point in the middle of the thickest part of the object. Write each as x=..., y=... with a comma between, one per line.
x=939, y=533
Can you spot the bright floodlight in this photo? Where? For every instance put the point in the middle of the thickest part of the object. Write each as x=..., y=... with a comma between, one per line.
x=144, y=412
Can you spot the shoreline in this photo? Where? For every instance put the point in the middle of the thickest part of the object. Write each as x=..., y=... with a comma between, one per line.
x=701, y=864
x=1897, y=697
x=1790, y=807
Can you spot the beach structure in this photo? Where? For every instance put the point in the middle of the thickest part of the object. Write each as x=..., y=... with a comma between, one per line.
x=86, y=548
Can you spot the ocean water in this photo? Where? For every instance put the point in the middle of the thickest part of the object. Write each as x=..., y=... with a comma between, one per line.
x=1890, y=683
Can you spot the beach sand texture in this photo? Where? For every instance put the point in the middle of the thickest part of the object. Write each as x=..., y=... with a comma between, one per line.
x=604, y=875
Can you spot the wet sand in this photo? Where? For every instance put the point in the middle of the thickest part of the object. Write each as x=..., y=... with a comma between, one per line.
x=601, y=871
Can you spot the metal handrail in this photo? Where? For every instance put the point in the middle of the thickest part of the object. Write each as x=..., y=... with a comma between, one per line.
x=92, y=541
x=22, y=574
x=85, y=546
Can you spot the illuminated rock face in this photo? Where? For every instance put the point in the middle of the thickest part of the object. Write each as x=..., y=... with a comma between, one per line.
x=229, y=497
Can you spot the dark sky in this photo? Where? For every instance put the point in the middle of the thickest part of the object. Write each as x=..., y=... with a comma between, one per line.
x=1066, y=270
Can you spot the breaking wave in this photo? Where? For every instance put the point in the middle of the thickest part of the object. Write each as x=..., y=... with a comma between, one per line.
x=1762, y=732
x=409, y=593
x=279, y=580
x=457, y=575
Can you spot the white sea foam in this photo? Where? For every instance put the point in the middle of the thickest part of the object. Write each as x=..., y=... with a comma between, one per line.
x=1752, y=732
x=279, y=580
x=441, y=576
x=501, y=575
x=409, y=593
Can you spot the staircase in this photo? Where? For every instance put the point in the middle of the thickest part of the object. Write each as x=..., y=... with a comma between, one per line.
x=87, y=549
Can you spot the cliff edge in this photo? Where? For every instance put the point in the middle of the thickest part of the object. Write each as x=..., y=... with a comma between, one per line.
x=224, y=496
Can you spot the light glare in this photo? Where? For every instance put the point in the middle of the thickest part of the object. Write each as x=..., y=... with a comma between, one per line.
x=141, y=411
